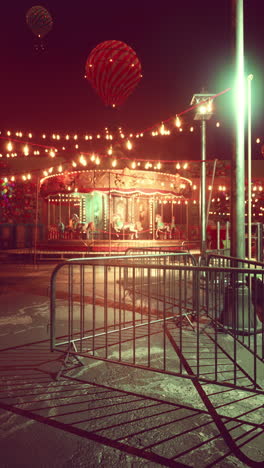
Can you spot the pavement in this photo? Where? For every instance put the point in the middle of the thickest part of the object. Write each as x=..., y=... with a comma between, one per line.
x=103, y=414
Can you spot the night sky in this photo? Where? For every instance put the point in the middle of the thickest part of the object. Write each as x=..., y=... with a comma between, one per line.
x=183, y=46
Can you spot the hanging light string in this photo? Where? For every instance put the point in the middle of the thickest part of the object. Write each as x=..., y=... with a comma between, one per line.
x=15, y=140
x=95, y=158
x=179, y=114
x=108, y=135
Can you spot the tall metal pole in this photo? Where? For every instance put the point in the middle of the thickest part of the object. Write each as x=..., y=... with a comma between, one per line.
x=238, y=159
x=36, y=220
x=203, y=188
x=237, y=298
x=249, y=79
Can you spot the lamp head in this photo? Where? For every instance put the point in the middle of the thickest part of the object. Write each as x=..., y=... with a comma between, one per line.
x=203, y=104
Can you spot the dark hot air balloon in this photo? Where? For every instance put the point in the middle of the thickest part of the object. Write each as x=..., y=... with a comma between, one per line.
x=113, y=70
x=39, y=21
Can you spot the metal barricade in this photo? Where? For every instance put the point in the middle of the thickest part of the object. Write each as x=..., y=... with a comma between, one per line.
x=243, y=294
x=148, y=313
x=215, y=259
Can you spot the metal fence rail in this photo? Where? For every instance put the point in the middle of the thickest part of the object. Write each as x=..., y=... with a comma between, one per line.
x=215, y=259
x=248, y=292
x=159, y=312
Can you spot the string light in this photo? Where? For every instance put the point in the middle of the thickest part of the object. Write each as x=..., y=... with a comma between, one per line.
x=129, y=145
x=26, y=150
x=82, y=160
x=177, y=122
x=162, y=129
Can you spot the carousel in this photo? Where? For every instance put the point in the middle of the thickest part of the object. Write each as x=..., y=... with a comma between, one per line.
x=114, y=209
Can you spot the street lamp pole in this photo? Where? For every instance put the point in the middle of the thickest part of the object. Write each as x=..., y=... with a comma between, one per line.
x=203, y=112
x=238, y=159
x=203, y=210
x=249, y=80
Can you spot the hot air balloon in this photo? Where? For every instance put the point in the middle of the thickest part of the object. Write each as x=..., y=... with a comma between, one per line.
x=39, y=21
x=113, y=70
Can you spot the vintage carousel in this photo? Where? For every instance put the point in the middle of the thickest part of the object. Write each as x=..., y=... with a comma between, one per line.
x=114, y=209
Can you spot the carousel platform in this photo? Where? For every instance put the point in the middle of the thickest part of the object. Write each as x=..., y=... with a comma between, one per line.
x=59, y=250
x=101, y=246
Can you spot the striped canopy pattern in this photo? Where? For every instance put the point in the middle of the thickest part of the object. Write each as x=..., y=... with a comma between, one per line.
x=113, y=70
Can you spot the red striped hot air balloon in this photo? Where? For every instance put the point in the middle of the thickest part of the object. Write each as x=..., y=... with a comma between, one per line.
x=39, y=20
x=113, y=70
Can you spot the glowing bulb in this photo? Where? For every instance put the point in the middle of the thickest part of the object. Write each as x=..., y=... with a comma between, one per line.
x=129, y=145
x=114, y=163
x=202, y=109
x=26, y=150
x=110, y=151
x=83, y=160
x=97, y=160
x=162, y=129
x=177, y=122
x=133, y=165
x=60, y=169
x=9, y=146
x=52, y=154
x=93, y=157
